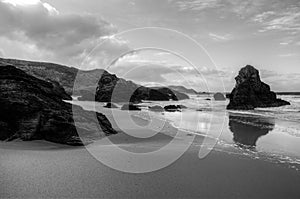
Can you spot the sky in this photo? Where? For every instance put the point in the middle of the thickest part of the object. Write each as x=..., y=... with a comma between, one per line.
x=197, y=43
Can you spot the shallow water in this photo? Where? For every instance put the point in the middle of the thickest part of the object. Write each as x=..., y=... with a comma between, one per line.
x=272, y=134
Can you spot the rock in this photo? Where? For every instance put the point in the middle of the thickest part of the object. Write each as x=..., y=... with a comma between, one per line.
x=33, y=109
x=88, y=81
x=130, y=107
x=113, y=89
x=250, y=92
x=174, y=108
x=171, y=108
x=156, y=108
x=219, y=97
x=105, y=124
x=110, y=105
x=208, y=99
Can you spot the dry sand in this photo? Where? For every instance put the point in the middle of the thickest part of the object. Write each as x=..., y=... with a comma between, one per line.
x=46, y=170
x=73, y=173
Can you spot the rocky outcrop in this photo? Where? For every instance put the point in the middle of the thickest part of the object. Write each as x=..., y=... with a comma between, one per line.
x=250, y=92
x=156, y=108
x=33, y=109
x=84, y=83
x=219, y=97
x=113, y=89
x=174, y=108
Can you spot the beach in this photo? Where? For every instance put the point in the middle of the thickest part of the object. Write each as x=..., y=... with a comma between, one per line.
x=74, y=173
x=41, y=169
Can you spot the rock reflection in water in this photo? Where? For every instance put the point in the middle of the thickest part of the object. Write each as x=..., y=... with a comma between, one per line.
x=248, y=129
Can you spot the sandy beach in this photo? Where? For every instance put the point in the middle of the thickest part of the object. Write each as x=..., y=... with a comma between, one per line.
x=74, y=173
x=45, y=170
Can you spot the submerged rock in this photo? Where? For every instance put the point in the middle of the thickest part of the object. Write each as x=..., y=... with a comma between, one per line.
x=250, y=92
x=33, y=109
x=219, y=97
x=156, y=108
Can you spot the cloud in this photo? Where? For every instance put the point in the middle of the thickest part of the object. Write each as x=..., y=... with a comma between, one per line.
x=220, y=38
x=288, y=55
x=241, y=9
x=267, y=74
x=65, y=37
x=282, y=20
x=197, y=5
x=284, y=43
x=263, y=16
x=282, y=82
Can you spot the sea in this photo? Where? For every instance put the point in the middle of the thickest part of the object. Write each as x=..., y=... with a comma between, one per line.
x=271, y=134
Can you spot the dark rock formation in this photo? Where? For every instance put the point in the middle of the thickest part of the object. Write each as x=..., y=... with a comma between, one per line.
x=85, y=83
x=113, y=89
x=33, y=109
x=156, y=108
x=219, y=97
x=174, y=108
x=250, y=92
x=130, y=107
x=247, y=130
x=110, y=105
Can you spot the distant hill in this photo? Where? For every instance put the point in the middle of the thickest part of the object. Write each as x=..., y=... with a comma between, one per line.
x=90, y=81
x=46, y=71
x=183, y=89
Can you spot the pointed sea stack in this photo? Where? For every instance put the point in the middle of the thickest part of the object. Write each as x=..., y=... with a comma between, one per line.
x=250, y=92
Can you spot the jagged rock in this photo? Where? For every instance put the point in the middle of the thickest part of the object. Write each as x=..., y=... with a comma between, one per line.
x=156, y=108
x=110, y=105
x=219, y=97
x=33, y=109
x=250, y=92
x=113, y=89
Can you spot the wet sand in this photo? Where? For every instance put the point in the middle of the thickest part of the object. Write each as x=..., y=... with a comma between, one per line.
x=45, y=170
x=73, y=173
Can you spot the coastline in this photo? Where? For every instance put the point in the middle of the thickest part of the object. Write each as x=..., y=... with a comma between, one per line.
x=74, y=173
x=42, y=170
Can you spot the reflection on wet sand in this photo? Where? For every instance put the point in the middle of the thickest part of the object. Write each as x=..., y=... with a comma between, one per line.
x=248, y=129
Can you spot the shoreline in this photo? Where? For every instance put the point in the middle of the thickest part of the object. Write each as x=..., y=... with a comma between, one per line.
x=41, y=174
